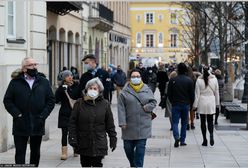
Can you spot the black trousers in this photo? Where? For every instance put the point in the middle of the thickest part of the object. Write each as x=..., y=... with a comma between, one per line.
x=64, y=136
x=209, y=118
x=21, y=147
x=88, y=161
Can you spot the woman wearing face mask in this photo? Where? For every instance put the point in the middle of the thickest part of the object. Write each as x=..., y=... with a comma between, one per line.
x=67, y=88
x=135, y=104
x=91, y=119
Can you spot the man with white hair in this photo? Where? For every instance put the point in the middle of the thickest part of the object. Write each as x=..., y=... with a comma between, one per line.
x=30, y=100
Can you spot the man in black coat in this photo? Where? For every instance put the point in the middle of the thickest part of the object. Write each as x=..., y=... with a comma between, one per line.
x=181, y=96
x=30, y=100
x=93, y=71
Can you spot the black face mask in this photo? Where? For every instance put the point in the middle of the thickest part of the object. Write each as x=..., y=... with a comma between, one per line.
x=32, y=72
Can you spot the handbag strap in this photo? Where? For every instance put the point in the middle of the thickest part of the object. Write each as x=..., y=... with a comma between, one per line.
x=71, y=101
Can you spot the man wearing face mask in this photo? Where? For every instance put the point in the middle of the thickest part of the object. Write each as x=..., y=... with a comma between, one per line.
x=93, y=70
x=120, y=79
x=30, y=100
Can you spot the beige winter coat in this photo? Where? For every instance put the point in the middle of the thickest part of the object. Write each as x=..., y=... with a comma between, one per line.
x=206, y=98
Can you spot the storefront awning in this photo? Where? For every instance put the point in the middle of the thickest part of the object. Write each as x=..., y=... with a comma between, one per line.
x=63, y=7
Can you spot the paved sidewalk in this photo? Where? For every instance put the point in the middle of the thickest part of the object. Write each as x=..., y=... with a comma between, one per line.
x=230, y=149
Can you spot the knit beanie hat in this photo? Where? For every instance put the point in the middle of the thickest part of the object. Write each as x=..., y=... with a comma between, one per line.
x=64, y=74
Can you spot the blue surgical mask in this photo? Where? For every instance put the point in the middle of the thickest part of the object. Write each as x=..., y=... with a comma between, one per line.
x=136, y=81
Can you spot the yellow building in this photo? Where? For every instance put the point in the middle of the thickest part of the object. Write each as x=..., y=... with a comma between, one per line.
x=158, y=31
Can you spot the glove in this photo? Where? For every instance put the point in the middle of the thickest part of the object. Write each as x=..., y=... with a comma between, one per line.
x=64, y=87
x=113, y=142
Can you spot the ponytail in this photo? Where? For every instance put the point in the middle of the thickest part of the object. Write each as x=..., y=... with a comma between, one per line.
x=205, y=75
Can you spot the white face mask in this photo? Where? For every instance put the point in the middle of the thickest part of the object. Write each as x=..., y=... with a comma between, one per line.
x=88, y=66
x=136, y=81
x=93, y=93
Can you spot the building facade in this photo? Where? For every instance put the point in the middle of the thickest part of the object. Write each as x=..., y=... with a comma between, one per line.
x=63, y=30
x=16, y=43
x=97, y=21
x=119, y=38
x=157, y=31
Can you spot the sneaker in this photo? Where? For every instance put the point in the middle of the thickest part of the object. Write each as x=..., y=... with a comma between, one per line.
x=192, y=126
x=176, y=144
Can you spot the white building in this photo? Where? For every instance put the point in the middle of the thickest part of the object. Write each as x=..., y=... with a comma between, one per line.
x=22, y=34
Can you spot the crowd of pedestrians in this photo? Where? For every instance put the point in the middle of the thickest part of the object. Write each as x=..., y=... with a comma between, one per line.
x=85, y=116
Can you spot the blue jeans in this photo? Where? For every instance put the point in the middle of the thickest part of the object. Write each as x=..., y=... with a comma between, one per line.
x=135, y=151
x=180, y=111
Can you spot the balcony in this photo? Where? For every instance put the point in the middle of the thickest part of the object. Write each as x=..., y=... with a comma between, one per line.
x=63, y=8
x=101, y=18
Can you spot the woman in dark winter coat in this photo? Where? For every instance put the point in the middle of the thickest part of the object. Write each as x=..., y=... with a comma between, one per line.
x=220, y=79
x=90, y=120
x=65, y=110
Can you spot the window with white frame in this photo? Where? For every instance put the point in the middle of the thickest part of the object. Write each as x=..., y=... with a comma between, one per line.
x=160, y=17
x=173, y=18
x=149, y=40
x=15, y=16
x=160, y=39
x=173, y=40
x=138, y=18
x=149, y=18
x=11, y=19
x=138, y=39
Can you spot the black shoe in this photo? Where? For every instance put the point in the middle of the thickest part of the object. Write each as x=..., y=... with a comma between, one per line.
x=187, y=126
x=176, y=144
x=215, y=123
x=171, y=129
x=197, y=116
x=192, y=126
x=205, y=143
x=211, y=140
x=183, y=144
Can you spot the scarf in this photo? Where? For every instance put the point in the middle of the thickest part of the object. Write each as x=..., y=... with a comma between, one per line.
x=138, y=87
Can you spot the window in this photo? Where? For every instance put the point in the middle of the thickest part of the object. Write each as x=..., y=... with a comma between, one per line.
x=149, y=40
x=173, y=18
x=138, y=39
x=149, y=18
x=160, y=39
x=173, y=40
x=160, y=17
x=138, y=18
x=11, y=19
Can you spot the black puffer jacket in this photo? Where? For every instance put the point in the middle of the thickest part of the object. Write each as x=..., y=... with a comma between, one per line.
x=34, y=104
x=89, y=123
x=65, y=108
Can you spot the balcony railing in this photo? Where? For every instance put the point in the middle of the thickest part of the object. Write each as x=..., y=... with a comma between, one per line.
x=106, y=13
x=101, y=18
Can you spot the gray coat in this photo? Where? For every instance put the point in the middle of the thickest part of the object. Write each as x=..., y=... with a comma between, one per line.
x=132, y=114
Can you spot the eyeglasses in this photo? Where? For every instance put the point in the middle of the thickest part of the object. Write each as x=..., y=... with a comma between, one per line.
x=32, y=65
x=135, y=76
